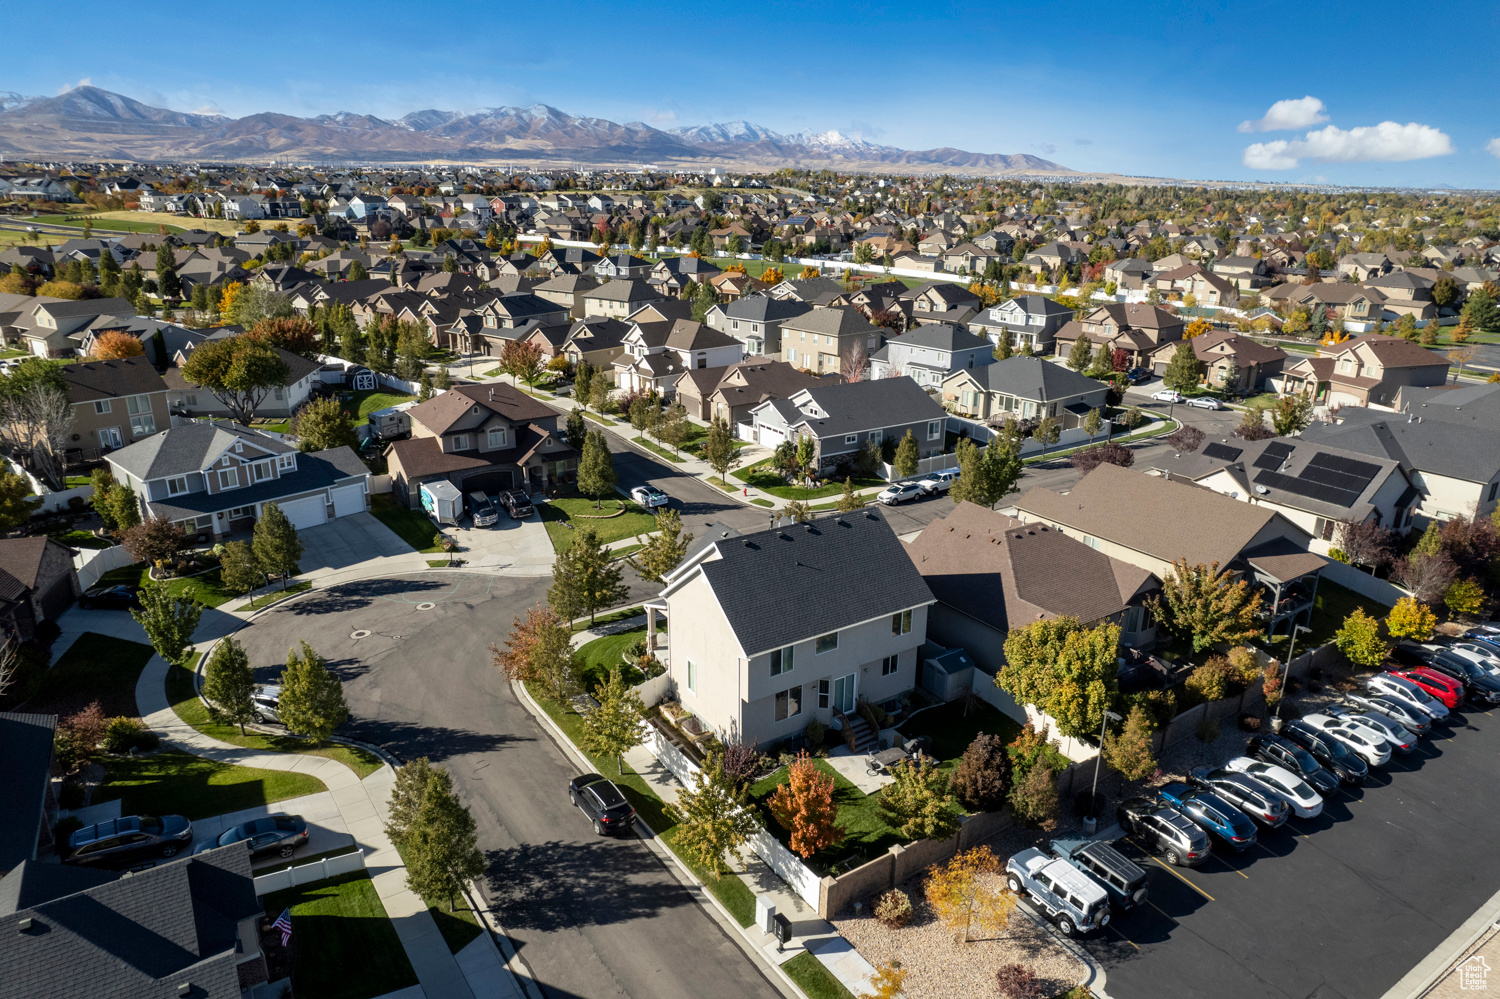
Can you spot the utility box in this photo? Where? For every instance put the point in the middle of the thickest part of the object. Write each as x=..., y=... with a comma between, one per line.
x=765, y=913
x=442, y=501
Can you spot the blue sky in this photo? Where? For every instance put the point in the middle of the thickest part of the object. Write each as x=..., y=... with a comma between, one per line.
x=1167, y=89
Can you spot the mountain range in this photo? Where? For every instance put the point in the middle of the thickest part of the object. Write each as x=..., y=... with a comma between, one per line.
x=91, y=123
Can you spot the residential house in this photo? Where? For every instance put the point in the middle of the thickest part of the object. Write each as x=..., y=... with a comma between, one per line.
x=37, y=583
x=1153, y=522
x=186, y=399
x=730, y=393
x=618, y=299
x=598, y=340
x=806, y=289
x=942, y=302
x=844, y=417
x=116, y=402
x=1206, y=288
x=623, y=266
x=1129, y=274
x=1230, y=360
x=1352, y=303
x=930, y=353
x=1406, y=294
x=187, y=928
x=56, y=327
x=1362, y=267
x=990, y=573
x=567, y=290
x=755, y=321
x=1136, y=329
x=1367, y=370
x=216, y=478
x=1025, y=319
x=820, y=339
x=762, y=643
x=671, y=274
x=25, y=791
x=1026, y=388
x=490, y=437
x=657, y=353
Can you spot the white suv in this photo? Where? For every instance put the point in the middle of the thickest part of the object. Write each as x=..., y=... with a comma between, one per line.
x=1070, y=898
x=1368, y=746
x=938, y=482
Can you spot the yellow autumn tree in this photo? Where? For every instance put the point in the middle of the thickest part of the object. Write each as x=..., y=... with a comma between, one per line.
x=1197, y=327
x=226, y=299
x=968, y=892
x=886, y=982
x=772, y=276
x=1410, y=618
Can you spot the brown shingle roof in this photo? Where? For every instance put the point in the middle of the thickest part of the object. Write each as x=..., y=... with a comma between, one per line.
x=441, y=412
x=424, y=456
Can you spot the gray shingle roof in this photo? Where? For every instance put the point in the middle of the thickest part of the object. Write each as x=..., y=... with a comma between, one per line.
x=1033, y=378
x=942, y=336
x=760, y=309
x=315, y=470
x=26, y=748
x=787, y=585
x=1466, y=451
x=839, y=320
x=111, y=379
x=189, y=448
x=859, y=406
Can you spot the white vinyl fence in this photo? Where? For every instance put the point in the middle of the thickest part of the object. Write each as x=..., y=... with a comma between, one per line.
x=92, y=563
x=318, y=870
x=1363, y=583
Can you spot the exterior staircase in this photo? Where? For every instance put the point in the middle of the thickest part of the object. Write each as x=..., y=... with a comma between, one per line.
x=865, y=740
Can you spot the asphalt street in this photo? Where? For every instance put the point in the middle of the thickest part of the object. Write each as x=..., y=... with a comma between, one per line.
x=592, y=918
x=1337, y=907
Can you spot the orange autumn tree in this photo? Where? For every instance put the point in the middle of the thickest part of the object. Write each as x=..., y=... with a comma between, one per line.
x=1197, y=327
x=968, y=891
x=112, y=344
x=804, y=805
x=772, y=276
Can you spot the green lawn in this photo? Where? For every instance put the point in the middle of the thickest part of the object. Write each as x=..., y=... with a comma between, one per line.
x=95, y=667
x=730, y=889
x=762, y=502
x=205, y=588
x=599, y=419
x=73, y=481
x=368, y=401
x=458, y=923
x=414, y=526
x=657, y=448
x=346, y=944
x=494, y=373
x=267, y=599
x=275, y=426
x=952, y=731
x=122, y=225
x=184, y=700
x=600, y=655
x=1332, y=604
x=576, y=511
x=176, y=783
x=760, y=476
x=815, y=980
x=628, y=550
x=81, y=539
x=866, y=831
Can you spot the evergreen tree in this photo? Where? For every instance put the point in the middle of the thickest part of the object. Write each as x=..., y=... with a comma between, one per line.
x=618, y=724
x=312, y=698
x=848, y=502
x=407, y=794
x=705, y=299
x=169, y=622
x=1184, y=371
x=577, y=430
x=167, y=280
x=907, y=456
x=584, y=579
x=1082, y=353
x=441, y=846
x=323, y=424
x=229, y=682
x=277, y=547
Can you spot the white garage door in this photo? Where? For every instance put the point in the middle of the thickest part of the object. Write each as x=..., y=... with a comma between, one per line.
x=307, y=512
x=770, y=436
x=348, y=499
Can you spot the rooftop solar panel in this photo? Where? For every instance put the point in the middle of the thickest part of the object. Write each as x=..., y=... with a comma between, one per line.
x=1222, y=452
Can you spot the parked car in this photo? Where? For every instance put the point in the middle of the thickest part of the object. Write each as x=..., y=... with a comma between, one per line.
x=1332, y=754
x=1213, y=814
x=1447, y=690
x=1285, y=753
x=280, y=834
x=602, y=802
x=517, y=503
x=1206, y=402
x=129, y=838
x=123, y=597
x=1375, y=725
x=1480, y=687
x=1399, y=688
x=1167, y=395
x=1482, y=653
x=1304, y=801
x=482, y=510
x=1071, y=899
x=265, y=703
x=898, y=492
x=1138, y=376
x=1164, y=830
x=1266, y=808
x=938, y=482
x=1371, y=748
x=1123, y=879
x=649, y=497
x=1413, y=719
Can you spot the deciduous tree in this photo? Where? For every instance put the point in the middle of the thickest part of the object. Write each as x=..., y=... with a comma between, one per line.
x=1102, y=454
x=17, y=501
x=1066, y=670
x=805, y=807
x=292, y=334
x=982, y=778
x=1465, y=598
x=229, y=682
x=1252, y=426
x=584, y=579
x=663, y=551
x=848, y=502
x=1291, y=414
x=168, y=621
x=1410, y=618
x=966, y=893
x=323, y=424
x=113, y=344
x=1033, y=799
x=1426, y=576
x=441, y=846
x=522, y=360
x=918, y=803
x=1129, y=751
x=1359, y=639
x=239, y=372
x=718, y=448
x=1046, y=433
x=312, y=698
x=239, y=572
x=712, y=820
x=1203, y=603
x=275, y=543
x=596, y=468
x=155, y=540
x=1364, y=542
x=407, y=794
x=619, y=722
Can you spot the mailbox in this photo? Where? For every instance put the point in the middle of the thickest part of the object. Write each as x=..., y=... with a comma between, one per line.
x=783, y=931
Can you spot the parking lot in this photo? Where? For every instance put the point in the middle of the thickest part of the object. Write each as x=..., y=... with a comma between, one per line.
x=1337, y=907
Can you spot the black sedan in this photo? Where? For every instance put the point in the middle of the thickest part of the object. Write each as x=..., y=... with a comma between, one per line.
x=112, y=598
x=1245, y=793
x=1480, y=687
x=1286, y=753
x=1139, y=376
x=602, y=802
x=279, y=834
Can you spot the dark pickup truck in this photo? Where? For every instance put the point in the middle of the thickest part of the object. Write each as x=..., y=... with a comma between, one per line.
x=516, y=503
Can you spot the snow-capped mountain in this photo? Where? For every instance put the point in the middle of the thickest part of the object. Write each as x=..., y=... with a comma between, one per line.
x=12, y=101
x=727, y=131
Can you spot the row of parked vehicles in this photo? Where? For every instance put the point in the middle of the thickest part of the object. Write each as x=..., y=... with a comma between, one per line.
x=1283, y=775
x=931, y=485
x=137, y=841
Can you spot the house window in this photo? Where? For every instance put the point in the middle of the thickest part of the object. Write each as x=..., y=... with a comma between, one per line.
x=901, y=623
x=888, y=665
x=497, y=437
x=826, y=643
x=109, y=436
x=177, y=486
x=140, y=426
x=781, y=661
x=228, y=479
x=191, y=400
x=692, y=675
x=1494, y=487
x=460, y=442
x=823, y=686
x=854, y=439
x=736, y=324
x=935, y=430
x=789, y=703
x=102, y=406
x=241, y=512
x=874, y=435
x=286, y=462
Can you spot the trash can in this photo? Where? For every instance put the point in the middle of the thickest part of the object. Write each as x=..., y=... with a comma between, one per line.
x=783, y=931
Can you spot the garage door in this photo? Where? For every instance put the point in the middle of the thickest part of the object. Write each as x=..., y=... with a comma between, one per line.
x=307, y=512
x=488, y=482
x=770, y=437
x=348, y=499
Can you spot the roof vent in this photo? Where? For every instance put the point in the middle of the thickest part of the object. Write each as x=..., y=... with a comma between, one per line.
x=185, y=989
x=24, y=926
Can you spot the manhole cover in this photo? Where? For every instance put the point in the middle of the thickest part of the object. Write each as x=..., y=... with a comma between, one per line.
x=362, y=633
x=429, y=605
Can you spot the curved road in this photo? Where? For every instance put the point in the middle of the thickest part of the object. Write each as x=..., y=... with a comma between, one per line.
x=591, y=917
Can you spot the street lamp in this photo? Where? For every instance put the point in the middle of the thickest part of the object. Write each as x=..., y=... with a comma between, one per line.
x=1285, y=670
x=1090, y=821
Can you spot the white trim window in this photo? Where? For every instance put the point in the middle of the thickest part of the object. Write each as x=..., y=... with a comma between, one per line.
x=889, y=665
x=102, y=406
x=826, y=643
x=498, y=438
x=781, y=661
x=692, y=676
x=286, y=462
x=901, y=623
x=229, y=478
x=789, y=703
x=459, y=442
x=935, y=430
x=177, y=486
x=109, y=436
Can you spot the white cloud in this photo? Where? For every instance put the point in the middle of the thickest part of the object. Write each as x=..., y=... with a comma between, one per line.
x=663, y=117
x=1493, y=147
x=86, y=81
x=209, y=108
x=1387, y=142
x=1287, y=115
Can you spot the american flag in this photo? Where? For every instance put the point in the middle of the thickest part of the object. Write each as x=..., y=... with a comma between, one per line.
x=284, y=924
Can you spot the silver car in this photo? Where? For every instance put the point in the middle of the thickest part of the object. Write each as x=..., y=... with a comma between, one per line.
x=265, y=702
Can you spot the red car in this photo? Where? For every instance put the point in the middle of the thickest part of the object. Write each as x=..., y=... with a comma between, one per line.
x=1439, y=685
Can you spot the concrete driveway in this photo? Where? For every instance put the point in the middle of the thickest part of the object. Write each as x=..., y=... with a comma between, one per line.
x=348, y=541
x=325, y=825
x=510, y=547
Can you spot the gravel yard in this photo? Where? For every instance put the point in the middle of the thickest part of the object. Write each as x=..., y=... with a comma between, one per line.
x=940, y=968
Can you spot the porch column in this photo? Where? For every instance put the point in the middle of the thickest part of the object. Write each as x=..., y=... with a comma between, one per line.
x=1313, y=603
x=1275, y=602
x=650, y=628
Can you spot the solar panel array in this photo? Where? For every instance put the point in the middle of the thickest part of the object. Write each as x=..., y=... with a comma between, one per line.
x=1274, y=456
x=1327, y=477
x=1222, y=452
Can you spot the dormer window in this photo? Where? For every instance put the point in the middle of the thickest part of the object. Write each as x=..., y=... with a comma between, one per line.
x=286, y=462
x=498, y=437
